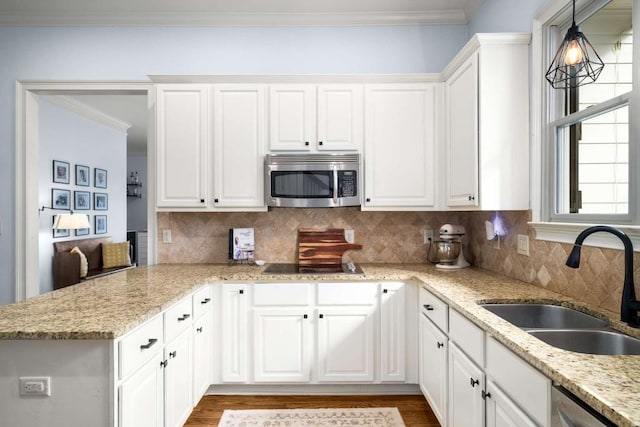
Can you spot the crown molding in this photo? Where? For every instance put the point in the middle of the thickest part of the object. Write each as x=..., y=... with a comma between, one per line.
x=296, y=78
x=88, y=112
x=188, y=19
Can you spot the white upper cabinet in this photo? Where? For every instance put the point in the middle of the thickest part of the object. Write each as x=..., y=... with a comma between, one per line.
x=310, y=117
x=487, y=124
x=239, y=113
x=182, y=120
x=401, y=153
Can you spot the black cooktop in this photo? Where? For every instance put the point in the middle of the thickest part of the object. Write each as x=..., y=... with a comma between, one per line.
x=348, y=268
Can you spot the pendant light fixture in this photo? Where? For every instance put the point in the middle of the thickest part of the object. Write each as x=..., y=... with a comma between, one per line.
x=576, y=62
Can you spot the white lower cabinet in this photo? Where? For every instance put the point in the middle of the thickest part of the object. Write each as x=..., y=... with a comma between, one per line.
x=433, y=367
x=282, y=345
x=202, y=356
x=502, y=411
x=141, y=396
x=234, y=337
x=466, y=384
x=345, y=344
x=178, y=380
x=393, y=343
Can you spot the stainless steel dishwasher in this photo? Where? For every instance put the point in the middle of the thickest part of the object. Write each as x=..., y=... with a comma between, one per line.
x=568, y=411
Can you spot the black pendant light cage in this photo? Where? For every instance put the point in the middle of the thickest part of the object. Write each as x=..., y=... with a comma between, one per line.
x=565, y=76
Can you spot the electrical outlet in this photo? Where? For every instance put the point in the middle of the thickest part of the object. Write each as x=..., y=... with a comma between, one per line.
x=428, y=235
x=350, y=236
x=523, y=244
x=496, y=242
x=166, y=236
x=35, y=386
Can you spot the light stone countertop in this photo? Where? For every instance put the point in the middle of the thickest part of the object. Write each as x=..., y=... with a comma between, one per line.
x=108, y=307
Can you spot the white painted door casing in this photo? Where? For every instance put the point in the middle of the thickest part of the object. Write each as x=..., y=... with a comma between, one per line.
x=182, y=139
x=401, y=152
x=239, y=131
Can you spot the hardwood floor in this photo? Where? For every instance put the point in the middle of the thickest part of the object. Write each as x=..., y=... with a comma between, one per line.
x=414, y=409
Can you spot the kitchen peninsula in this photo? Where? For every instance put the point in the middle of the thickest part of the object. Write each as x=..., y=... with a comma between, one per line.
x=86, y=323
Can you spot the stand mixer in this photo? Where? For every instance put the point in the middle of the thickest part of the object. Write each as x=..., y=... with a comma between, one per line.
x=449, y=253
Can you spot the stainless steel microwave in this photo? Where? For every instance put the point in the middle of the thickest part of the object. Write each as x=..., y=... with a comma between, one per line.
x=312, y=180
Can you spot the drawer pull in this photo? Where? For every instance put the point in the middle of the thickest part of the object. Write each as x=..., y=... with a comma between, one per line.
x=384, y=291
x=199, y=330
x=205, y=301
x=173, y=354
x=486, y=395
x=241, y=291
x=322, y=316
x=440, y=344
x=148, y=345
x=474, y=382
x=428, y=307
x=184, y=317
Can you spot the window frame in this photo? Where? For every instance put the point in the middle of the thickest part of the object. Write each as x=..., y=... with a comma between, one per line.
x=564, y=227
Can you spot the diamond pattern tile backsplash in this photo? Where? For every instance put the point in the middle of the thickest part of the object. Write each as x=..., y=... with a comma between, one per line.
x=397, y=237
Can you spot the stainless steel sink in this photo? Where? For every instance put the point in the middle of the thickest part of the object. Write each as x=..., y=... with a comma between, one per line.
x=544, y=316
x=590, y=341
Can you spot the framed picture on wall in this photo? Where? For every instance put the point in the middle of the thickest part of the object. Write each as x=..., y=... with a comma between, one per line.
x=100, y=178
x=84, y=231
x=82, y=200
x=58, y=233
x=60, y=172
x=82, y=175
x=100, y=201
x=100, y=226
x=60, y=199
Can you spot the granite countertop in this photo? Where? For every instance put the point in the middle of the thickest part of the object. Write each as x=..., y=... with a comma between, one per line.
x=108, y=307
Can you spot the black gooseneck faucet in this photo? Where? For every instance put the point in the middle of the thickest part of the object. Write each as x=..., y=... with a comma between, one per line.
x=630, y=306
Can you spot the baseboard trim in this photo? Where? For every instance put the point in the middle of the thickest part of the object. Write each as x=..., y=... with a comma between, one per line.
x=314, y=389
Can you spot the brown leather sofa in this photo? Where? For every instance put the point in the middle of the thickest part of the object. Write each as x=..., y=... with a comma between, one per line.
x=66, y=266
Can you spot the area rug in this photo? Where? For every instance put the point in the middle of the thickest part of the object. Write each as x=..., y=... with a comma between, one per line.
x=379, y=417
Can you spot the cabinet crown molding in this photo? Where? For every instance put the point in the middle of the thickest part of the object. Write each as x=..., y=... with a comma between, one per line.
x=296, y=78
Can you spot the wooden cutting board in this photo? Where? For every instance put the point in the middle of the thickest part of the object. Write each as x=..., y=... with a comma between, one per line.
x=322, y=247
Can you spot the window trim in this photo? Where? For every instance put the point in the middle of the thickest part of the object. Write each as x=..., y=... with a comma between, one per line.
x=547, y=226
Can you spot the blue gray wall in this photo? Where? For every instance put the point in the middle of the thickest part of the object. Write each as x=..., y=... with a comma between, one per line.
x=133, y=53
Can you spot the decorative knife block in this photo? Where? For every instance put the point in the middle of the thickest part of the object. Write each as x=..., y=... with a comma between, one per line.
x=323, y=248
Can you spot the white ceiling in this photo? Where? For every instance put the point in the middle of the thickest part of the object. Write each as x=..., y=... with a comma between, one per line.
x=235, y=12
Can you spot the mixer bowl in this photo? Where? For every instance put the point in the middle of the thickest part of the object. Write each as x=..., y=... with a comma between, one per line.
x=446, y=251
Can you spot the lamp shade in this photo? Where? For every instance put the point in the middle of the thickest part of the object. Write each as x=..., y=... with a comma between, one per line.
x=576, y=62
x=71, y=222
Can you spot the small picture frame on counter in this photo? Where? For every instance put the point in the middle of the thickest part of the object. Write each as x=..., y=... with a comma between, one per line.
x=241, y=244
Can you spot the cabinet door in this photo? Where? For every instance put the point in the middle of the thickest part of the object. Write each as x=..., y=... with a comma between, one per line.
x=141, y=396
x=292, y=117
x=182, y=120
x=178, y=383
x=392, y=332
x=202, y=355
x=281, y=345
x=340, y=117
x=234, y=333
x=502, y=411
x=466, y=382
x=400, y=148
x=345, y=344
x=461, y=141
x=238, y=154
x=433, y=367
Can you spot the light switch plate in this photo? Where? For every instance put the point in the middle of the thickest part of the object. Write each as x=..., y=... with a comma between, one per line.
x=523, y=244
x=350, y=236
x=166, y=236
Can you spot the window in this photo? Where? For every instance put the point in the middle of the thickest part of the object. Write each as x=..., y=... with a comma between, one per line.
x=588, y=129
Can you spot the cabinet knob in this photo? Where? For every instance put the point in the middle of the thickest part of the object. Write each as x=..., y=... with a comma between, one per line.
x=486, y=395
x=428, y=307
x=150, y=344
x=322, y=316
x=384, y=291
x=241, y=291
x=164, y=363
x=368, y=200
x=319, y=142
x=306, y=143
x=199, y=330
x=205, y=301
x=474, y=382
x=201, y=200
x=440, y=345
x=472, y=198
x=215, y=200
x=173, y=354
x=184, y=317
x=305, y=316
